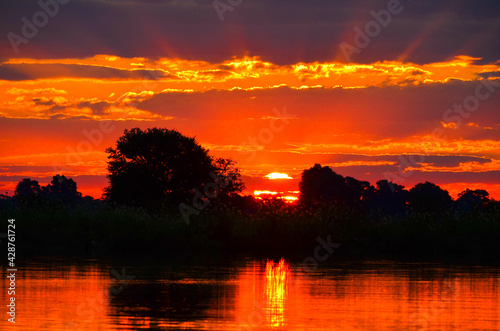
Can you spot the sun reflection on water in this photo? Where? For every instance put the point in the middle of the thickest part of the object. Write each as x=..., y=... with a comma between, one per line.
x=277, y=277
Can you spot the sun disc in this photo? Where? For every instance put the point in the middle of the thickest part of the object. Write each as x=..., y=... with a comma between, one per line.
x=277, y=175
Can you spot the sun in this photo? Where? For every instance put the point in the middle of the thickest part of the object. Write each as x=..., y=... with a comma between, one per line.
x=277, y=175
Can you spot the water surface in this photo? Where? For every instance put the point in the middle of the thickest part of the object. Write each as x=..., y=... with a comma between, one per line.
x=253, y=295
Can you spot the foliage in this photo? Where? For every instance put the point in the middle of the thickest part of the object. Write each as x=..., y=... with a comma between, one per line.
x=428, y=197
x=27, y=191
x=271, y=229
x=323, y=185
x=385, y=221
x=61, y=190
x=156, y=166
x=470, y=199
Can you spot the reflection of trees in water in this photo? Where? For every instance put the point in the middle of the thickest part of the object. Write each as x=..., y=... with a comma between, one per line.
x=181, y=301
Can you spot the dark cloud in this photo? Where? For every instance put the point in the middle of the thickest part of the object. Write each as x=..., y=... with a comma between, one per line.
x=489, y=74
x=56, y=108
x=417, y=72
x=492, y=177
x=385, y=112
x=98, y=108
x=57, y=117
x=435, y=160
x=280, y=31
x=19, y=72
x=43, y=103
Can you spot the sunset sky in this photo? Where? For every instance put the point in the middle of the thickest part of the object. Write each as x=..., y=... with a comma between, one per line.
x=275, y=85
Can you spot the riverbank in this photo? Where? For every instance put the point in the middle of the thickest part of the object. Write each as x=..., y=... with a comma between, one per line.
x=103, y=231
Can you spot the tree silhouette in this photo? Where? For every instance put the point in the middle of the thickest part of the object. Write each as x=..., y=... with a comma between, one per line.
x=227, y=170
x=428, y=197
x=156, y=166
x=320, y=184
x=63, y=190
x=357, y=190
x=469, y=199
x=390, y=198
x=28, y=191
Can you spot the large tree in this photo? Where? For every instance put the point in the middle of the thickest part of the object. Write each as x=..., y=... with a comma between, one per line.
x=389, y=198
x=63, y=190
x=321, y=184
x=469, y=199
x=28, y=191
x=428, y=197
x=159, y=166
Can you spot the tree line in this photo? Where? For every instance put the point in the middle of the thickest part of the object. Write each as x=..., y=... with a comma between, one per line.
x=159, y=168
x=321, y=185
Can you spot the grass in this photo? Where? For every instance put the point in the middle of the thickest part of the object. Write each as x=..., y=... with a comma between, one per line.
x=101, y=231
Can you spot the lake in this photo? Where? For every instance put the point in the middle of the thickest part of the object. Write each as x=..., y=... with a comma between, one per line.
x=249, y=294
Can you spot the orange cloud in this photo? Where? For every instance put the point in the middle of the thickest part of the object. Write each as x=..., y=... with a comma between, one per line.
x=341, y=109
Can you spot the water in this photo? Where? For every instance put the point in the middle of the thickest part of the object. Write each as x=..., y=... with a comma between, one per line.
x=252, y=295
